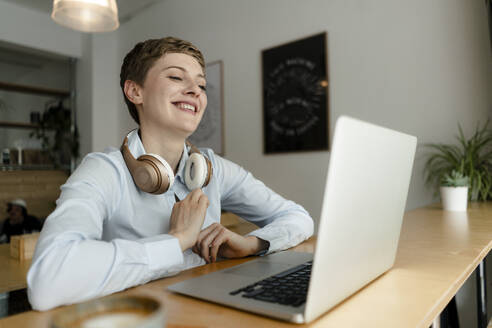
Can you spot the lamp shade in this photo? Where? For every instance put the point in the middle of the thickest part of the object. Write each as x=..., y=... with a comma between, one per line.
x=86, y=15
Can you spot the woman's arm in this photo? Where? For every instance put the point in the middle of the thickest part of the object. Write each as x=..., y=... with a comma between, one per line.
x=282, y=223
x=71, y=262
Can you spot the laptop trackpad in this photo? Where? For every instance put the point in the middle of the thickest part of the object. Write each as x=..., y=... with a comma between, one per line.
x=258, y=269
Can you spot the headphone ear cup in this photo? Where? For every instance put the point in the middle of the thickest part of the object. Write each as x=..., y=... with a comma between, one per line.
x=147, y=176
x=150, y=172
x=196, y=171
x=155, y=176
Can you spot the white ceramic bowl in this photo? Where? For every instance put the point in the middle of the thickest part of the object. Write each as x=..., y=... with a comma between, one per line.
x=112, y=312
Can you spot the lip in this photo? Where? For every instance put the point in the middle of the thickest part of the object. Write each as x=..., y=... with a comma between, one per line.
x=187, y=102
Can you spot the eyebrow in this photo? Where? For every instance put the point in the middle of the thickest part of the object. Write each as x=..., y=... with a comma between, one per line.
x=182, y=69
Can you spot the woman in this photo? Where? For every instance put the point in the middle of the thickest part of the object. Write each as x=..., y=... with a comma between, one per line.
x=107, y=233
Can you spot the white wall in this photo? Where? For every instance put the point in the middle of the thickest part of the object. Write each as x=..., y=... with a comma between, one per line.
x=416, y=66
x=106, y=107
x=98, y=101
x=84, y=87
x=30, y=28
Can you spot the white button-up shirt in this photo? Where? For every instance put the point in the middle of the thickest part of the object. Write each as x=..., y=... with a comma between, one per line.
x=106, y=235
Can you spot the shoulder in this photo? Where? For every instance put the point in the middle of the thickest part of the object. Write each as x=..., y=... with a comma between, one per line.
x=100, y=166
x=101, y=176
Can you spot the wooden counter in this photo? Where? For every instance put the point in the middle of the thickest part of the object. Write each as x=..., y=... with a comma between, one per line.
x=437, y=252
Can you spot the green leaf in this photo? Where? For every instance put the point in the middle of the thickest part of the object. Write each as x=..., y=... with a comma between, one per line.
x=471, y=158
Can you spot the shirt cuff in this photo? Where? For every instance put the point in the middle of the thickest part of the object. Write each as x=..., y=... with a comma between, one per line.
x=278, y=238
x=271, y=237
x=163, y=252
x=265, y=250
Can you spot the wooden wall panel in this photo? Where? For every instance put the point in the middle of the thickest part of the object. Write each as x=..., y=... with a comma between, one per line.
x=40, y=190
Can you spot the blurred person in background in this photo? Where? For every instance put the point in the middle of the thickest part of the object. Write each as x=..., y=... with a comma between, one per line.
x=18, y=221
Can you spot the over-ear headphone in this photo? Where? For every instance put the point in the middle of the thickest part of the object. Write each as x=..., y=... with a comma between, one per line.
x=152, y=174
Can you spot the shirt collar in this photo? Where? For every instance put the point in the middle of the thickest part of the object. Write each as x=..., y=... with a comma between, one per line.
x=182, y=163
x=137, y=149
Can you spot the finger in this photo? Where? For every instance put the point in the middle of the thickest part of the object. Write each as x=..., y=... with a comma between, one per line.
x=201, y=235
x=220, y=239
x=206, y=243
x=176, y=205
x=206, y=231
x=194, y=195
x=189, y=197
x=198, y=244
x=203, y=202
x=195, y=249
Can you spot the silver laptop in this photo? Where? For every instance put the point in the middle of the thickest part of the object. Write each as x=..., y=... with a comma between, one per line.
x=363, y=206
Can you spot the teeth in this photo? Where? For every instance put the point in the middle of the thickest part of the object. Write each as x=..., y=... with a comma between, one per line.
x=187, y=106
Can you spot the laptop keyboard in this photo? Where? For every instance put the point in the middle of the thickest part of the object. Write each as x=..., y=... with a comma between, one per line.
x=287, y=287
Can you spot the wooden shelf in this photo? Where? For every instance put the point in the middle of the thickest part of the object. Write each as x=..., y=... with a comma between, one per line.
x=20, y=125
x=35, y=90
x=30, y=167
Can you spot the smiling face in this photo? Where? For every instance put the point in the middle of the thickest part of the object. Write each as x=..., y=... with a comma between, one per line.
x=172, y=98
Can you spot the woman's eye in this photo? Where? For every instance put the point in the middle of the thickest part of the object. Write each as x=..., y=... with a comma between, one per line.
x=177, y=78
x=204, y=88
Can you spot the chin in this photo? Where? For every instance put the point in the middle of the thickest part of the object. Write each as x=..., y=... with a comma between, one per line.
x=187, y=132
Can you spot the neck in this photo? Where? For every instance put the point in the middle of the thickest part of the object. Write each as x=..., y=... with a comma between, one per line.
x=167, y=146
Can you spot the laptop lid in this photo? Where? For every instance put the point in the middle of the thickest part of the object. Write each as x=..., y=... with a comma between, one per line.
x=362, y=212
x=364, y=200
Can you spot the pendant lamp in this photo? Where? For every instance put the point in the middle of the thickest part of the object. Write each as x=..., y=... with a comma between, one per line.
x=86, y=15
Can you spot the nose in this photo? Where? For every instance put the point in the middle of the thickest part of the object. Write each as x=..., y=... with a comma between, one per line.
x=193, y=89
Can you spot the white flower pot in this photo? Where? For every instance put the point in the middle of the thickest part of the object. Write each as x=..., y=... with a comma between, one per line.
x=454, y=198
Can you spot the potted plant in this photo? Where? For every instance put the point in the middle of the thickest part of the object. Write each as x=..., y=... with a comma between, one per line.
x=64, y=145
x=472, y=158
x=454, y=191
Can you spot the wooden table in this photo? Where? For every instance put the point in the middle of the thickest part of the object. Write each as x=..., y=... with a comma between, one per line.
x=12, y=271
x=437, y=252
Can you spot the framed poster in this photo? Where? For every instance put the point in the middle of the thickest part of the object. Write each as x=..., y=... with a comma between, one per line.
x=210, y=132
x=295, y=96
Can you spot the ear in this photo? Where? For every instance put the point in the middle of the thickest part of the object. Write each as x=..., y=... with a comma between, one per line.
x=133, y=92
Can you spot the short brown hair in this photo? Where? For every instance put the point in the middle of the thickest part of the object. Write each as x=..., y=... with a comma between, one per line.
x=141, y=58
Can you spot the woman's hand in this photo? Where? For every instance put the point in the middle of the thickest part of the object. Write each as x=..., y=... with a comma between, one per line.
x=216, y=240
x=187, y=218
